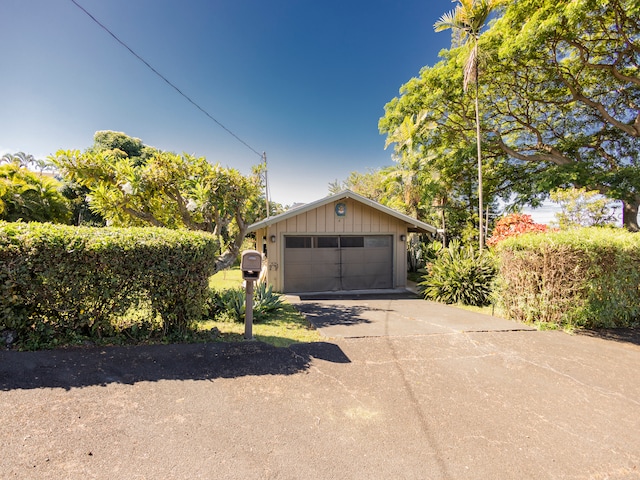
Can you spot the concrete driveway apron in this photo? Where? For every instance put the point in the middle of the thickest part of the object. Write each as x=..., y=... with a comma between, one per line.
x=396, y=314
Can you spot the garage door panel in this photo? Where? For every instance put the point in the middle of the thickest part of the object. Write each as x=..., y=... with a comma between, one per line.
x=299, y=256
x=312, y=283
x=363, y=262
x=310, y=270
x=360, y=277
x=325, y=255
x=377, y=253
x=368, y=267
x=326, y=270
x=312, y=277
x=364, y=282
x=352, y=255
x=376, y=269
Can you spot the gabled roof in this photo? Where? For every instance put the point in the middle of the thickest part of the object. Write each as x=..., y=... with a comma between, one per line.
x=413, y=224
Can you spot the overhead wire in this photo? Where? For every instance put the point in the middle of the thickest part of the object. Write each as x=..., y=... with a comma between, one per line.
x=171, y=84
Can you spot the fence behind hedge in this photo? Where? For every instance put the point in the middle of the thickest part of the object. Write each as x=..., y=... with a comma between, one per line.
x=56, y=279
x=586, y=277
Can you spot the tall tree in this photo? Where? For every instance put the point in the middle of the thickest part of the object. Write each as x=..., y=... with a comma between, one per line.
x=565, y=94
x=431, y=125
x=561, y=108
x=369, y=184
x=166, y=190
x=467, y=21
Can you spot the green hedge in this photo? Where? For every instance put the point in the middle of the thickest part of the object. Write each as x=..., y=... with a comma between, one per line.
x=58, y=280
x=586, y=277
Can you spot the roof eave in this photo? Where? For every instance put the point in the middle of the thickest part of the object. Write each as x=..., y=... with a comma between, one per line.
x=413, y=224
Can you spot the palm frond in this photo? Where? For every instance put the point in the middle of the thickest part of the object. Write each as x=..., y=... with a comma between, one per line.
x=446, y=21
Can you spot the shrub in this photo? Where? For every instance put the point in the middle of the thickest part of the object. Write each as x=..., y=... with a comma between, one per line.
x=460, y=275
x=588, y=277
x=61, y=281
x=513, y=225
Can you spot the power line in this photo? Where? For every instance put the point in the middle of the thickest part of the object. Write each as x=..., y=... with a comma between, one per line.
x=165, y=79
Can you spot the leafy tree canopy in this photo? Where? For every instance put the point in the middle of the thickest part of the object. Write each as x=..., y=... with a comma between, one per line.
x=431, y=126
x=130, y=184
x=559, y=91
x=582, y=208
x=565, y=94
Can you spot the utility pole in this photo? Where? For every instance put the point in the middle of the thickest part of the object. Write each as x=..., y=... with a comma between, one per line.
x=266, y=182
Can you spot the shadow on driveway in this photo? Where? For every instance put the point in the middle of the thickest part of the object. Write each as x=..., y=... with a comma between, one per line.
x=392, y=314
x=75, y=368
x=323, y=315
x=624, y=335
x=344, y=309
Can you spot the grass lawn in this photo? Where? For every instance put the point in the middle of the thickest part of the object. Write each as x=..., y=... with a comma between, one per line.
x=281, y=329
x=230, y=278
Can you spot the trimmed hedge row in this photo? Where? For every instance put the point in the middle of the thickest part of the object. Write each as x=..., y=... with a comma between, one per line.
x=587, y=277
x=56, y=280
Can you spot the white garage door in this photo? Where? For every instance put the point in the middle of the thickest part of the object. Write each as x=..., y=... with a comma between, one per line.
x=330, y=263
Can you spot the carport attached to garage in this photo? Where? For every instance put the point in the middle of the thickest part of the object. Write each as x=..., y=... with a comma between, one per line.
x=337, y=262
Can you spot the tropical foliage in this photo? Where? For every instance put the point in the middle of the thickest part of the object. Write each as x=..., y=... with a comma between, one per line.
x=130, y=184
x=513, y=225
x=582, y=208
x=231, y=303
x=558, y=92
x=30, y=197
x=466, y=21
x=459, y=274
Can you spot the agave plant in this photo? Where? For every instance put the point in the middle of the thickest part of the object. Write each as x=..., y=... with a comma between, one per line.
x=231, y=303
x=266, y=301
x=228, y=304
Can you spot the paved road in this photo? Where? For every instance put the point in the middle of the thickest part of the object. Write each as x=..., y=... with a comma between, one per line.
x=451, y=404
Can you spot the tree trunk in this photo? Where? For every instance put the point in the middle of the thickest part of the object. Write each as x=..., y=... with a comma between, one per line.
x=630, y=215
x=226, y=259
x=443, y=219
x=230, y=255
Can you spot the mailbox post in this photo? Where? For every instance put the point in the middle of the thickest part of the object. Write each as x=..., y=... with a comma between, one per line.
x=251, y=265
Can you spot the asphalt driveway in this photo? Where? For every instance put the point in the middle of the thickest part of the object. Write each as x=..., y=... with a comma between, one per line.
x=367, y=314
x=447, y=403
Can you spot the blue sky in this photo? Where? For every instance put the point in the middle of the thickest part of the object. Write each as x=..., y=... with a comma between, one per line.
x=305, y=81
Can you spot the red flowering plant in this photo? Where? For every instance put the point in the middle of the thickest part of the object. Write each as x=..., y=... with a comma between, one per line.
x=513, y=225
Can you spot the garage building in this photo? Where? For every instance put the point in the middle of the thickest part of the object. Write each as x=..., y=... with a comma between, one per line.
x=341, y=242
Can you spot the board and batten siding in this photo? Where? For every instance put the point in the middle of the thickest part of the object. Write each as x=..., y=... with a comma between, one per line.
x=359, y=219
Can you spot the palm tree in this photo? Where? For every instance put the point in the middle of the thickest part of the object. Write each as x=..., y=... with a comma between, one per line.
x=466, y=21
x=22, y=159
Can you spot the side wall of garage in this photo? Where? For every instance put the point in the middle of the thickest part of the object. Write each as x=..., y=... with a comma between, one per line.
x=355, y=219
